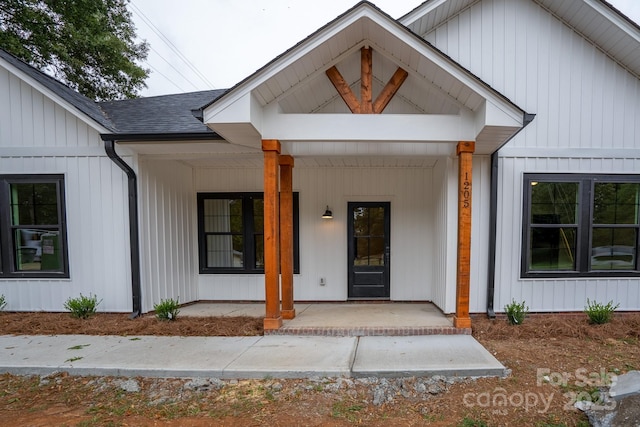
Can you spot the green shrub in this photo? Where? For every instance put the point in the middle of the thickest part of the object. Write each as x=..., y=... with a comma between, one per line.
x=516, y=312
x=471, y=422
x=600, y=313
x=167, y=309
x=82, y=307
x=3, y=302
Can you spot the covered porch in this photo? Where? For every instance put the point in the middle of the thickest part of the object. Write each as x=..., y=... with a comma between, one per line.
x=343, y=318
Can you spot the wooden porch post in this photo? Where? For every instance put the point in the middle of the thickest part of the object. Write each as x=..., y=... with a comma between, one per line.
x=273, y=318
x=464, y=151
x=286, y=235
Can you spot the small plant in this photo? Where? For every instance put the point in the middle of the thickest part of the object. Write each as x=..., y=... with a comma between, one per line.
x=167, y=309
x=516, y=312
x=3, y=302
x=471, y=422
x=82, y=307
x=598, y=313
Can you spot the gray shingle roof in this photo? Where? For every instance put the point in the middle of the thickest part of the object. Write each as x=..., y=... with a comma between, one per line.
x=158, y=117
x=165, y=115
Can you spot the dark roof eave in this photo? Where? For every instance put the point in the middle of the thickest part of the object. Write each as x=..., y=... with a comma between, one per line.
x=146, y=137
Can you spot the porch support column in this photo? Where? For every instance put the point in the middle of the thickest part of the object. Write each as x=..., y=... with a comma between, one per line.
x=464, y=151
x=273, y=318
x=286, y=236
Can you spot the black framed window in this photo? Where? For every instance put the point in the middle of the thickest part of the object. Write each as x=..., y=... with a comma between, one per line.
x=231, y=232
x=580, y=225
x=32, y=226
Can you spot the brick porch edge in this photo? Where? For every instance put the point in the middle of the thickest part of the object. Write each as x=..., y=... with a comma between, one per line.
x=325, y=331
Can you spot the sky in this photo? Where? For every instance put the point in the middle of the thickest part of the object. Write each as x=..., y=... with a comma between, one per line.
x=214, y=44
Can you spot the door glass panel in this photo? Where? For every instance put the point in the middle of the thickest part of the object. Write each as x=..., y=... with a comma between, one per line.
x=369, y=239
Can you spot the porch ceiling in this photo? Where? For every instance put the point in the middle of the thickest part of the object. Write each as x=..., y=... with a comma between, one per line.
x=256, y=161
x=292, y=100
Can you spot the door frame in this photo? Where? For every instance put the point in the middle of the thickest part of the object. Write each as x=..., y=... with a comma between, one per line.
x=386, y=276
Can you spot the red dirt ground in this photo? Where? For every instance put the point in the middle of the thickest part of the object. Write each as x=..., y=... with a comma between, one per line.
x=558, y=344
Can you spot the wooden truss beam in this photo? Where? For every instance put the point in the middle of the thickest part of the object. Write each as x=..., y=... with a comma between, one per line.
x=366, y=105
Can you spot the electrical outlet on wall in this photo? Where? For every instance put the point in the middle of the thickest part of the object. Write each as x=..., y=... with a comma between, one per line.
x=323, y=281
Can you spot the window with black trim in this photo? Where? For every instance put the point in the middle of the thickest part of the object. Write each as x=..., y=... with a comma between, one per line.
x=580, y=225
x=231, y=233
x=32, y=226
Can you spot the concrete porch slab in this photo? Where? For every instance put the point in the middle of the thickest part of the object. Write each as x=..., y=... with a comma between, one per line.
x=343, y=318
x=451, y=356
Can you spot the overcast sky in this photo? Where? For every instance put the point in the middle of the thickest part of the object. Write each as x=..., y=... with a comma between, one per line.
x=225, y=41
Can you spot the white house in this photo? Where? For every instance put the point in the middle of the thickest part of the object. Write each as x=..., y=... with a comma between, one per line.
x=471, y=153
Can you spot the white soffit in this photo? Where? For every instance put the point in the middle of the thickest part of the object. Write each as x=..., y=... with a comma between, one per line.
x=603, y=26
x=431, y=14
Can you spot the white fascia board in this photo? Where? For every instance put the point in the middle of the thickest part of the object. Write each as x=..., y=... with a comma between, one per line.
x=292, y=55
x=54, y=97
x=615, y=18
x=243, y=109
x=420, y=11
x=369, y=148
x=239, y=123
x=368, y=127
x=490, y=115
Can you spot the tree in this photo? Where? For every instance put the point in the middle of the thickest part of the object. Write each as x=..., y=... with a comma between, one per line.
x=87, y=44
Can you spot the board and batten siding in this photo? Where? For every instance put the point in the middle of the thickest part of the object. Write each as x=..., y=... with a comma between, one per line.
x=323, y=243
x=587, y=108
x=168, y=232
x=38, y=136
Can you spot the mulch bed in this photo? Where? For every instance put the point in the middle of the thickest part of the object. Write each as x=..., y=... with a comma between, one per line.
x=40, y=323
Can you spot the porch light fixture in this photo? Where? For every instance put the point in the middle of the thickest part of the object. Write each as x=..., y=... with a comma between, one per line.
x=327, y=214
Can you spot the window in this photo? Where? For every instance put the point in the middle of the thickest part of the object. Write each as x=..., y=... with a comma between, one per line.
x=580, y=225
x=32, y=226
x=231, y=232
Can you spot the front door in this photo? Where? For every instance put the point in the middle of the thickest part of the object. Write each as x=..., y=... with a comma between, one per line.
x=369, y=249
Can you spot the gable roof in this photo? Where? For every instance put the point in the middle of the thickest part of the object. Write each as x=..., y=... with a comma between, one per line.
x=80, y=102
x=596, y=20
x=255, y=108
x=131, y=119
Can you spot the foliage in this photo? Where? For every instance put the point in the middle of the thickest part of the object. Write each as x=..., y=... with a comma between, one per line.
x=470, y=422
x=82, y=307
x=167, y=309
x=600, y=313
x=516, y=312
x=3, y=302
x=88, y=45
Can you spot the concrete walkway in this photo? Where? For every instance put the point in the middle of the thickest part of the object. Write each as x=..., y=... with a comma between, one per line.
x=248, y=357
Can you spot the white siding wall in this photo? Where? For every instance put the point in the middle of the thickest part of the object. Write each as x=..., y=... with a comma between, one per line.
x=323, y=243
x=586, y=107
x=39, y=137
x=168, y=232
x=445, y=184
